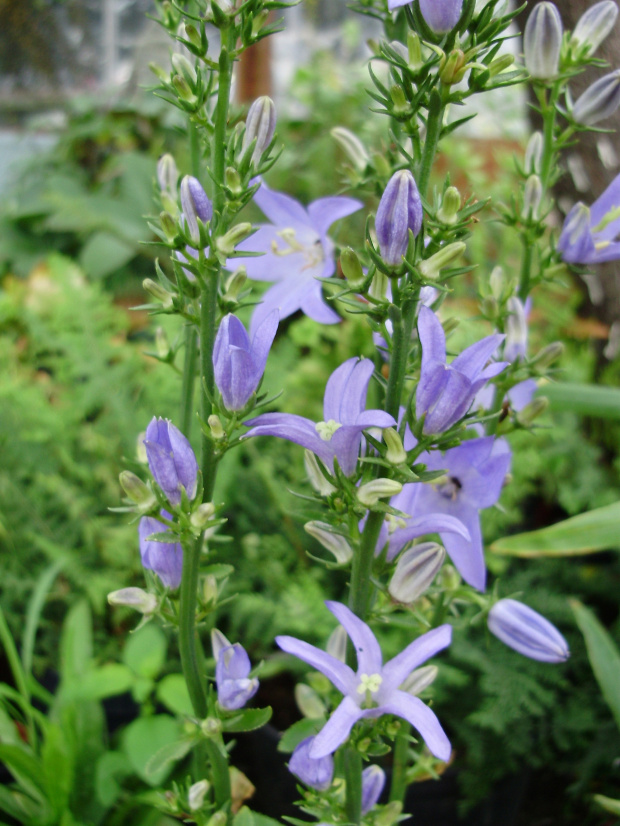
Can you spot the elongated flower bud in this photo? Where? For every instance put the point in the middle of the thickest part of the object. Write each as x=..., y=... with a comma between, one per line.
x=545, y=357
x=542, y=41
x=534, y=153
x=167, y=175
x=594, y=25
x=352, y=146
x=415, y=571
x=195, y=204
x=183, y=67
x=431, y=267
x=351, y=268
x=158, y=292
x=196, y=794
x=370, y=493
x=448, y=212
x=441, y=15
x=332, y=542
x=532, y=196
x=400, y=210
x=227, y=243
x=520, y=627
x=135, y=598
x=420, y=679
x=373, y=781
x=136, y=490
x=315, y=477
x=260, y=125
x=515, y=345
x=599, y=101
x=316, y=773
x=396, y=453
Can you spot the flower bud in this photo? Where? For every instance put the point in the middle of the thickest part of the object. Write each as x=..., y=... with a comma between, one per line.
x=260, y=125
x=452, y=68
x=370, y=493
x=211, y=727
x=594, y=25
x=316, y=773
x=233, y=180
x=159, y=72
x=415, y=571
x=135, y=598
x=227, y=243
x=448, y=212
x=400, y=210
x=337, y=644
x=414, y=51
x=196, y=205
x=351, y=267
x=420, y=679
x=499, y=283
x=431, y=267
x=167, y=175
x=373, y=781
x=309, y=702
x=532, y=411
x=542, y=41
x=599, y=101
x=210, y=591
x=235, y=284
x=396, y=453
x=332, y=542
x=316, y=478
x=184, y=90
x=183, y=67
x=532, y=197
x=196, y=794
x=389, y=814
x=218, y=819
x=400, y=104
x=515, y=345
x=534, y=153
x=167, y=222
x=520, y=627
x=548, y=355
x=441, y=15
x=500, y=64
x=203, y=514
x=192, y=35
x=162, y=345
x=158, y=292
x=136, y=490
x=378, y=286
x=258, y=21
x=352, y=146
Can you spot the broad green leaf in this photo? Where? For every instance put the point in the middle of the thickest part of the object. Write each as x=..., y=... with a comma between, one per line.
x=172, y=692
x=105, y=253
x=246, y=817
x=603, y=655
x=597, y=530
x=145, y=651
x=608, y=803
x=161, y=761
x=144, y=738
x=247, y=719
x=299, y=731
x=100, y=682
x=111, y=767
x=76, y=643
x=584, y=399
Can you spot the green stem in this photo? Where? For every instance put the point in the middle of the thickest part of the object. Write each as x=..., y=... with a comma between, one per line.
x=399, y=767
x=361, y=568
x=433, y=131
x=549, y=152
x=220, y=773
x=402, y=326
x=353, y=779
x=526, y=266
x=19, y=676
x=188, y=641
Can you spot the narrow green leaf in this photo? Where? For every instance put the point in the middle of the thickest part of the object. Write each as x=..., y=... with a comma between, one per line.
x=608, y=803
x=76, y=643
x=584, y=399
x=25, y=768
x=597, y=530
x=247, y=720
x=35, y=606
x=19, y=806
x=603, y=655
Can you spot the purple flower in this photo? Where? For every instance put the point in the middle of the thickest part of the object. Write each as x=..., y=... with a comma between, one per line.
x=542, y=41
x=298, y=253
x=440, y=15
x=374, y=689
x=232, y=673
x=195, y=204
x=239, y=365
x=373, y=781
x=400, y=210
x=427, y=297
x=520, y=627
x=588, y=235
x=171, y=460
x=339, y=435
x=599, y=101
x=314, y=772
x=164, y=558
x=475, y=472
x=446, y=391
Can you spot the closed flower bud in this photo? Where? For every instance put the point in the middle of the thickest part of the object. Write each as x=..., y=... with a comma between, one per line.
x=400, y=210
x=534, y=153
x=162, y=345
x=260, y=125
x=316, y=478
x=396, y=453
x=218, y=819
x=448, y=212
x=136, y=490
x=352, y=146
x=452, y=68
x=258, y=21
x=542, y=41
x=499, y=283
x=520, y=627
x=594, y=25
x=515, y=344
x=171, y=460
x=532, y=411
x=431, y=267
x=167, y=223
x=196, y=206
x=599, y=101
x=332, y=542
x=420, y=679
x=227, y=243
x=532, y=197
x=192, y=35
x=235, y=284
x=370, y=493
x=316, y=773
x=389, y=814
x=203, y=514
x=378, y=286
x=373, y=781
x=215, y=426
x=309, y=702
x=135, y=598
x=183, y=67
x=184, y=90
x=500, y=64
x=158, y=292
x=351, y=267
x=400, y=104
x=414, y=51
x=441, y=15
x=167, y=175
x=415, y=571
x=548, y=355
x=196, y=795
x=211, y=727
x=210, y=591
x=233, y=180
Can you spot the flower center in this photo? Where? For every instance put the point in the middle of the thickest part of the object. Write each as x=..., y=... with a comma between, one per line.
x=394, y=523
x=450, y=488
x=312, y=250
x=369, y=684
x=327, y=429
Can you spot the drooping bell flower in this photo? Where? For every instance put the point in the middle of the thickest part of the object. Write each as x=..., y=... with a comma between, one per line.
x=542, y=41
x=232, y=673
x=238, y=363
x=528, y=632
x=373, y=781
x=374, y=689
x=599, y=101
x=399, y=210
x=164, y=558
x=171, y=460
x=588, y=234
x=314, y=772
x=260, y=125
x=339, y=435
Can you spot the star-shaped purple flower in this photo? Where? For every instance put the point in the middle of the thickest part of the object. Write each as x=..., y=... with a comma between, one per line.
x=339, y=435
x=589, y=233
x=298, y=252
x=445, y=391
x=475, y=473
x=375, y=689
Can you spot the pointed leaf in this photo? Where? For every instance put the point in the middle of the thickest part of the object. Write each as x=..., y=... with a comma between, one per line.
x=247, y=720
x=172, y=692
x=171, y=753
x=145, y=652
